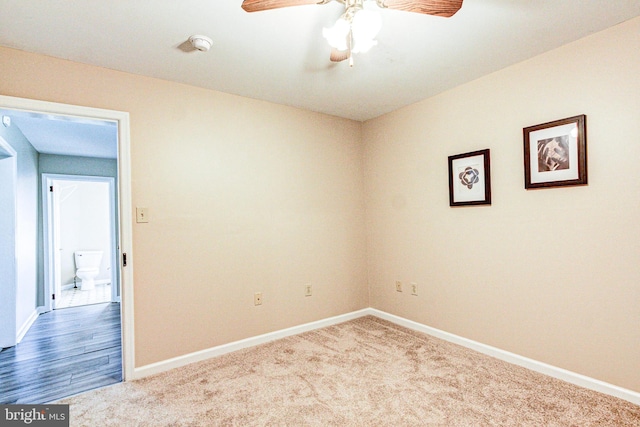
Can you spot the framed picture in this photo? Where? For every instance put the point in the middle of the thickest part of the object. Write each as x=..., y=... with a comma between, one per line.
x=555, y=153
x=470, y=179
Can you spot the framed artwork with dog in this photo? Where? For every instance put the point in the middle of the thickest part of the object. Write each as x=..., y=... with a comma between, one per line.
x=555, y=153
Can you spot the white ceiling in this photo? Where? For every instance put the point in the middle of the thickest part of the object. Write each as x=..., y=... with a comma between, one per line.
x=280, y=56
x=67, y=136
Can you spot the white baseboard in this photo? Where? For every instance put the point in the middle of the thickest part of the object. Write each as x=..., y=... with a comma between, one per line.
x=22, y=331
x=534, y=365
x=198, y=356
x=78, y=282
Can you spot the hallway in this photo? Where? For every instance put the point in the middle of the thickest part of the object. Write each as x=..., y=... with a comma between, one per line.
x=65, y=352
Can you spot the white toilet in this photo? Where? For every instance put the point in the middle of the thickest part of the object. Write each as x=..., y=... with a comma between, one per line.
x=87, y=268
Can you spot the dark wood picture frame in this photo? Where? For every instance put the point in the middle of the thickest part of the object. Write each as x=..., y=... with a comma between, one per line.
x=470, y=178
x=555, y=153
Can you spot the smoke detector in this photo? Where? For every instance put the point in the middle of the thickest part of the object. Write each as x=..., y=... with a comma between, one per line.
x=201, y=43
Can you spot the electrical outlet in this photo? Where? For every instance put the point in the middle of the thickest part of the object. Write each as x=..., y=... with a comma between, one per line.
x=307, y=290
x=257, y=298
x=414, y=289
x=398, y=286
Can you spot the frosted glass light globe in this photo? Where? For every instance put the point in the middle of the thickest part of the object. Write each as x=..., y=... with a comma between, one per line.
x=365, y=27
x=337, y=35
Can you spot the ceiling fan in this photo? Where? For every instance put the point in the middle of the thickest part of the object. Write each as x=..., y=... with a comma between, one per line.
x=358, y=26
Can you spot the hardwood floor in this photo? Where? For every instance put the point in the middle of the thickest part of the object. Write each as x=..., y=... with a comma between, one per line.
x=66, y=351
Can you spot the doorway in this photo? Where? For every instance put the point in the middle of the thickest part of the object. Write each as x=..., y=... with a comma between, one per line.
x=79, y=218
x=8, y=185
x=123, y=194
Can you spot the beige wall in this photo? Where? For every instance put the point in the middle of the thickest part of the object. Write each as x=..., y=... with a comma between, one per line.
x=243, y=196
x=248, y=196
x=550, y=274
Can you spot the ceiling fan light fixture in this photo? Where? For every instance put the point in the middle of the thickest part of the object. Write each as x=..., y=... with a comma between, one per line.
x=356, y=29
x=337, y=35
x=365, y=27
x=367, y=22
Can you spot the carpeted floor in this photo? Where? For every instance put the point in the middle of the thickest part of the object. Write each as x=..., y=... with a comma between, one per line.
x=365, y=372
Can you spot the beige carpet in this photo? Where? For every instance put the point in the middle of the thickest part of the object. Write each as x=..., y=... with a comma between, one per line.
x=365, y=372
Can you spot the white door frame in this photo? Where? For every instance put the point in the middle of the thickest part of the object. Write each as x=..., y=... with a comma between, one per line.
x=50, y=219
x=8, y=270
x=124, y=197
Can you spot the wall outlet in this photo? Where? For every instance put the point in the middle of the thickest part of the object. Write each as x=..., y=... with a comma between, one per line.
x=257, y=298
x=398, y=286
x=307, y=290
x=414, y=288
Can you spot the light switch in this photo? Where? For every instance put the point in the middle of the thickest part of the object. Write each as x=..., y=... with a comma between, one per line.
x=142, y=214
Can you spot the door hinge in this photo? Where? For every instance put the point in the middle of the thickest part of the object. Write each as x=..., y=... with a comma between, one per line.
x=51, y=189
x=124, y=259
x=53, y=296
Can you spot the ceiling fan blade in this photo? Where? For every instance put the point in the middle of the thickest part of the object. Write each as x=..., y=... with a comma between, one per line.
x=444, y=8
x=339, y=55
x=259, y=5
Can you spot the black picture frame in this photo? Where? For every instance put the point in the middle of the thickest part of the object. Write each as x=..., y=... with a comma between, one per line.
x=555, y=153
x=470, y=178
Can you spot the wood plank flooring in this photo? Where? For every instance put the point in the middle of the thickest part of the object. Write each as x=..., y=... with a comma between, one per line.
x=66, y=351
